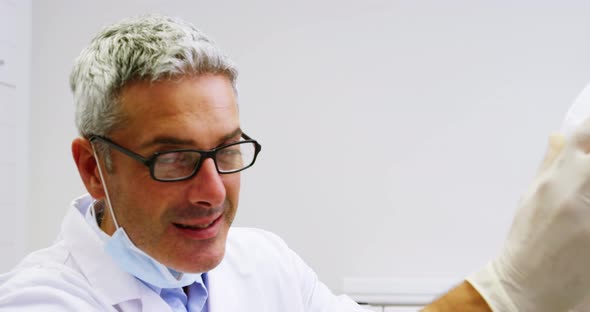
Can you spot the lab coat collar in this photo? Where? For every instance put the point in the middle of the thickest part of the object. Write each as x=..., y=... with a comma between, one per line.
x=234, y=274
x=119, y=287
x=97, y=266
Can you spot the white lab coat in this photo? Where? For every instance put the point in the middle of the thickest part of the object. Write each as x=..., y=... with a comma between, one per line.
x=258, y=273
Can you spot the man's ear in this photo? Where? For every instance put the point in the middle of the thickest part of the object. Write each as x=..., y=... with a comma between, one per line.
x=87, y=167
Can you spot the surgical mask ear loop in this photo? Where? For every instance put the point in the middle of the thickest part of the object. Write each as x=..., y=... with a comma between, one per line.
x=104, y=185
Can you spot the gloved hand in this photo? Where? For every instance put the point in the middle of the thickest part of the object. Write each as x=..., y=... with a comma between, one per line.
x=545, y=262
x=583, y=307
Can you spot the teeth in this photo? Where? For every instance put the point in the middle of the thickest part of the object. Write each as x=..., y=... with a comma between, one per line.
x=194, y=227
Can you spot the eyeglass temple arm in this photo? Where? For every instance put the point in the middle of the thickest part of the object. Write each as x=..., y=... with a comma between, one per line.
x=120, y=149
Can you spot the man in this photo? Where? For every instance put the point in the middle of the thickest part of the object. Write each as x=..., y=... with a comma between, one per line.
x=160, y=151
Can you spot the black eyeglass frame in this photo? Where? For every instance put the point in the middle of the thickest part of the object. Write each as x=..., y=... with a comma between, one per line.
x=150, y=161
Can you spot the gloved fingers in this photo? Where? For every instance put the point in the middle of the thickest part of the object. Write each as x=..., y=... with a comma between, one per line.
x=583, y=306
x=555, y=146
x=581, y=137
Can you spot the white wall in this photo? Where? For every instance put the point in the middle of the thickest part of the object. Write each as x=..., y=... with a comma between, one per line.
x=15, y=53
x=397, y=135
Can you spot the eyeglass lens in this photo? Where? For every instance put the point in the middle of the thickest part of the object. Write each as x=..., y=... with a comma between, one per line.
x=180, y=164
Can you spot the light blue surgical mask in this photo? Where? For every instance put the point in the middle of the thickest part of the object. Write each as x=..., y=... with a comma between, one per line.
x=134, y=260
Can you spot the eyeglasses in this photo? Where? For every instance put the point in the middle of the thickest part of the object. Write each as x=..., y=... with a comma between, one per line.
x=183, y=164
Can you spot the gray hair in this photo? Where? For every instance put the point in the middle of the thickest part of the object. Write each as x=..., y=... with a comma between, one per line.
x=150, y=47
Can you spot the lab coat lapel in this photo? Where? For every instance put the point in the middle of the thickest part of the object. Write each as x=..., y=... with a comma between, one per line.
x=118, y=287
x=231, y=286
x=222, y=292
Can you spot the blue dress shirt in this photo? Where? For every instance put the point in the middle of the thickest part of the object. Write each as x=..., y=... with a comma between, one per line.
x=177, y=298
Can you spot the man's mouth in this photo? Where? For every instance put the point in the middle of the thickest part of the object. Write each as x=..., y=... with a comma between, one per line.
x=194, y=227
x=200, y=229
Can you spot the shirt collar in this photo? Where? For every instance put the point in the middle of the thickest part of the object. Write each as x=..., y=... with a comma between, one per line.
x=88, y=252
x=197, y=291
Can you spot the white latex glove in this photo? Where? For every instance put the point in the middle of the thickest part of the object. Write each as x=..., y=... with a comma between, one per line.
x=545, y=263
x=584, y=306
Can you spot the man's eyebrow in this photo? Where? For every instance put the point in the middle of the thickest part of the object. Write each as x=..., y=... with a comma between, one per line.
x=231, y=135
x=170, y=140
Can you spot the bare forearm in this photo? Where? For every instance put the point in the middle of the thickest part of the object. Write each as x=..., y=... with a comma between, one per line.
x=462, y=298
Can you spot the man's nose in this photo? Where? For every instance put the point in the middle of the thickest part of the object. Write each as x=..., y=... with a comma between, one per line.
x=207, y=188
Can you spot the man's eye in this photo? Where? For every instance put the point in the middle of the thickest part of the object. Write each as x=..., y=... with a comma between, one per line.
x=168, y=158
x=179, y=158
x=230, y=152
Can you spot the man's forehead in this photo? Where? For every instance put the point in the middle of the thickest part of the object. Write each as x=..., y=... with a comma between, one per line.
x=176, y=110
x=203, y=92
x=184, y=140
